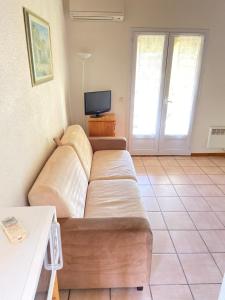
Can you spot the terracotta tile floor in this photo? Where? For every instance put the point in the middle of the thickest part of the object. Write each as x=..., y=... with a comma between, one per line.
x=185, y=200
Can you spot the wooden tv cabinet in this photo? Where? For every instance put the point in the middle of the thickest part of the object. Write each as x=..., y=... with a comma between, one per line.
x=102, y=126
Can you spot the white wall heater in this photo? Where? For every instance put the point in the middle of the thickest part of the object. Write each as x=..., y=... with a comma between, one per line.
x=216, y=138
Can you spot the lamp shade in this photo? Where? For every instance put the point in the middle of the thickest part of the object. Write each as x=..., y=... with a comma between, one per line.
x=84, y=55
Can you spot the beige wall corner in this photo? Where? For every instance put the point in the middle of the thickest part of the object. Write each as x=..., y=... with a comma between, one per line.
x=29, y=116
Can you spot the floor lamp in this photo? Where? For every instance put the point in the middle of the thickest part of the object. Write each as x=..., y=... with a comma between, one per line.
x=83, y=56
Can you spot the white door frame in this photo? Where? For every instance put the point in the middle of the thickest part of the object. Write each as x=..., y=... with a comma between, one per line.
x=131, y=109
x=169, y=32
x=184, y=141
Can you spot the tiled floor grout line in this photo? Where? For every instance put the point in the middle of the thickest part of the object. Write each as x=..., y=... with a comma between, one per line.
x=183, y=284
x=146, y=172
x=222, y=229
x=182, y=211
x=185, y=253
x=213, y=257
x=205, y=229
x=150, y=291
x=210, y=253
x=217, y=185
x=215, y=217
x=177, y=256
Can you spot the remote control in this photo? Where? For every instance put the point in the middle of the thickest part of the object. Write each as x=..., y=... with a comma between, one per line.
x=13, y=230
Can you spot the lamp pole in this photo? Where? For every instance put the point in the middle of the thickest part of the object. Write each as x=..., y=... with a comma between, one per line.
x=84, y=56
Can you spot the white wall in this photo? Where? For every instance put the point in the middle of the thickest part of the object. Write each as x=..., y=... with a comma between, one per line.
x=110, y=66
x=29, y=117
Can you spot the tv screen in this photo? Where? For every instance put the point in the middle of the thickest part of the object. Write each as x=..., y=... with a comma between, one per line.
x=97, y=102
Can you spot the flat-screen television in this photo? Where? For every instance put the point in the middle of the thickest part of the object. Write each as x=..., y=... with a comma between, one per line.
x=97, y=103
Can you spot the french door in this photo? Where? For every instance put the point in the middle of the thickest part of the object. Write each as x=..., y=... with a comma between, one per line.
x=164, y=91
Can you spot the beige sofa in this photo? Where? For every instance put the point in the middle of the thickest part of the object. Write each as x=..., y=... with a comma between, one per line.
x=106, y=237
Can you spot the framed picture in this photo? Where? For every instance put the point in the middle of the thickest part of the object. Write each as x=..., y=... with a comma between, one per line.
x=39, y=47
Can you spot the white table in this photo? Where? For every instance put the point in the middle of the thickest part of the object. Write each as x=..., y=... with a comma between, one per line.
x=222, y=290
x=20, y=264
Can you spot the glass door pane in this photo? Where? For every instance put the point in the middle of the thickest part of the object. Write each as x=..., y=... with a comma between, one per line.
x=147, y=90
x=184, y=74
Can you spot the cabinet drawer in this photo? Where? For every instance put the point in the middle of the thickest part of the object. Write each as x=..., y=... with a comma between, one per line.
x=102, y=128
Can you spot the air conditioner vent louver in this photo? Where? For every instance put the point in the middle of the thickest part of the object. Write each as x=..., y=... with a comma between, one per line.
x=96, y=16
x=218, y=131
x=216, y=138
x=97, y=10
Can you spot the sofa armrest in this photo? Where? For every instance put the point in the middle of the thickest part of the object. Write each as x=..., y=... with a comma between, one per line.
x=105, y=224
x=105, y=252
x=108, y=143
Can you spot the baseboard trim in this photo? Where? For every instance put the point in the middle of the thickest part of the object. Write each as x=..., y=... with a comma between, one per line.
x=208, y=154
x=219, y=154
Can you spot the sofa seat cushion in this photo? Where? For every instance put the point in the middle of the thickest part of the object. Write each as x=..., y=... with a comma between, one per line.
x=76, y=138
x=112, y=164
x=62, y=183
x=114, y=198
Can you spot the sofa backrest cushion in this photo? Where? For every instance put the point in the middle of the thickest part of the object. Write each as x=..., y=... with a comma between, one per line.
x=62, y=183
x=76, y=137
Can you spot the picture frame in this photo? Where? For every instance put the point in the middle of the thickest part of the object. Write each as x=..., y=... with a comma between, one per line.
x=38, y=38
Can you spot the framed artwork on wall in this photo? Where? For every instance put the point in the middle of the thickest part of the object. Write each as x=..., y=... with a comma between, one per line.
x=39, y=48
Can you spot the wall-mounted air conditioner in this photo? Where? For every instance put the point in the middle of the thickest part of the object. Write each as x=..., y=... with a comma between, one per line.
x=97, y=10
